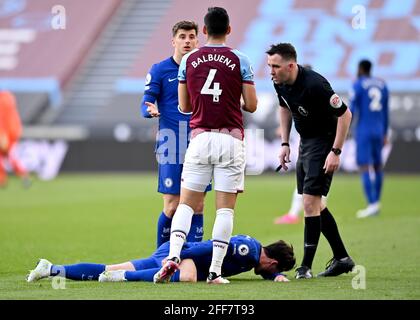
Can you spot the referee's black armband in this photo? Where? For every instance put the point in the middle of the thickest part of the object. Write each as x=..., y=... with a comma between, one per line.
x=285, y=144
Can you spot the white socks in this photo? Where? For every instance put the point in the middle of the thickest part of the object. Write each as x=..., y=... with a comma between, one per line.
x=181, y=224
x=222, y=231
x=296, y=205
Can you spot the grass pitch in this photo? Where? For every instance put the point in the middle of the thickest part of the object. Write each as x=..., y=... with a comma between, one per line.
x=112, y=218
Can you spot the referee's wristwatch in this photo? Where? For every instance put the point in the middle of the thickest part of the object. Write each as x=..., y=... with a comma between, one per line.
x=337, y=151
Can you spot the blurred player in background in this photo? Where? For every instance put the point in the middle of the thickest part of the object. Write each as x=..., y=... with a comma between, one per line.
x=244, y=254
x=10, y=133
x=211, y=82
x=161, y=100
x=369, y=103
x=292, y=216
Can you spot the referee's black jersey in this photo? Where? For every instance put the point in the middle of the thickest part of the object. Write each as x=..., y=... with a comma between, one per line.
x=313, y=103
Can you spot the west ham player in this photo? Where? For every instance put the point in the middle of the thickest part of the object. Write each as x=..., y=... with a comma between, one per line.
x=212, y=80
x=162, y=89
x=244, y=254
x=369, y=101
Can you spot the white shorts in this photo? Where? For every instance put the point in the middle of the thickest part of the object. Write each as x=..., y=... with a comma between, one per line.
x=217, y=155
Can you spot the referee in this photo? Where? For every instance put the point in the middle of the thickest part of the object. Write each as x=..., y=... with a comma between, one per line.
x=322, y=121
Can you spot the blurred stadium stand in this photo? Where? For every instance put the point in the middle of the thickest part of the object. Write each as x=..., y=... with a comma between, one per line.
x=120, y=43
x=84, y=83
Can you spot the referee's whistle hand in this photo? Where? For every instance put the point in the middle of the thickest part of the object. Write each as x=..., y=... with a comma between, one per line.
x=284, y=157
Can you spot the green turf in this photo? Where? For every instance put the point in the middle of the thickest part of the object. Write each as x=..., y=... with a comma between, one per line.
x=112, y=218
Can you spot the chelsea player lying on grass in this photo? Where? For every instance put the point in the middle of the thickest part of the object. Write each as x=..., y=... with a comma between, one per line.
x=244, y=254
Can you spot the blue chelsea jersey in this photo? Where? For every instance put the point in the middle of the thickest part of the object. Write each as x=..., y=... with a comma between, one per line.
x=161, y=87
x=243, y=255
x=369, y=103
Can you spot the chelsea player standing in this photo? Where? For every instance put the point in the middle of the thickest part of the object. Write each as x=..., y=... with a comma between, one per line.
x=161, y=100
x=369, y=101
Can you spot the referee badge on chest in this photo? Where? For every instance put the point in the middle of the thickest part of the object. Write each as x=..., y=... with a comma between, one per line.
x=303, y=111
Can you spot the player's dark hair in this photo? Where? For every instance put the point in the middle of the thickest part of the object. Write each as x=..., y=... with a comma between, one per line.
x=216, y=21
x=184, y=25
x=283, y=253
x=365, y=66
x=285, y=50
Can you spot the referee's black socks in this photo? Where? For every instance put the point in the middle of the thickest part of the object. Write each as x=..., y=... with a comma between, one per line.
x=330, y=231
x=312, y=234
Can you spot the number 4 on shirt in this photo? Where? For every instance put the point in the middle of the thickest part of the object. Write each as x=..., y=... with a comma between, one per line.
x=215, y=91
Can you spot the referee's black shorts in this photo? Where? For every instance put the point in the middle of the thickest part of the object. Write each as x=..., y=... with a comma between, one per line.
x=311, y=177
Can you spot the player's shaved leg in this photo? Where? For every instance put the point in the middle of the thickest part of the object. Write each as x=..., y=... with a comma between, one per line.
x=128, y=266
x=312, y=210
x=225, y=200
x=188, y=271
x=170, y=203
x=200, y=207
x=193, y=199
